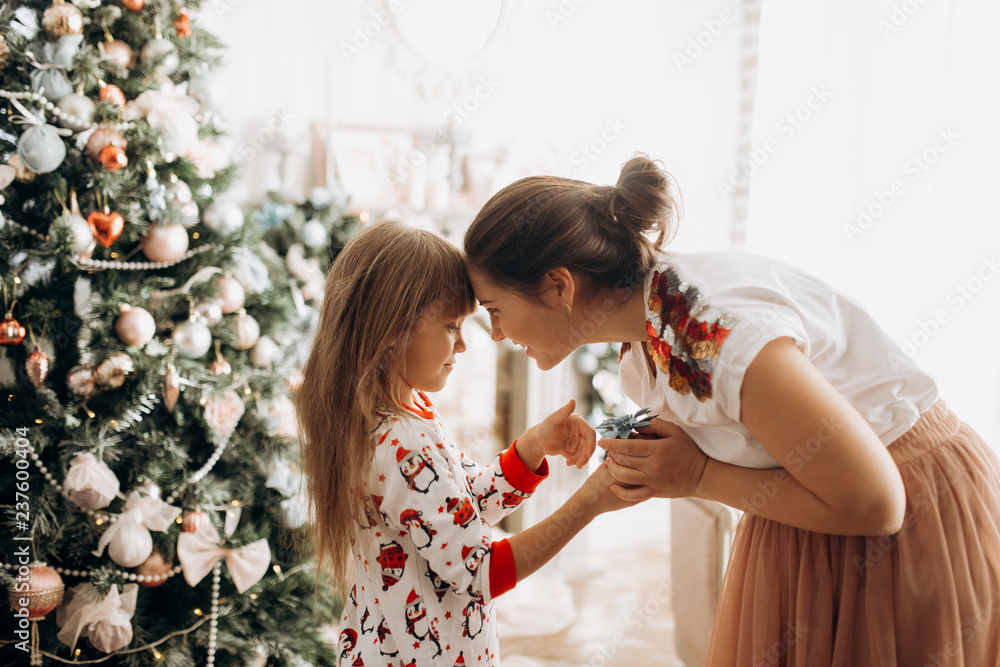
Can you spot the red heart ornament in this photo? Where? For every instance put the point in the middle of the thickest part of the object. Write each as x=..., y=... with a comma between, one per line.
x=106, y=227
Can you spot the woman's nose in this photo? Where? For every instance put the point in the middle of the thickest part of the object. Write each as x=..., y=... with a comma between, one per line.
x=496, y=333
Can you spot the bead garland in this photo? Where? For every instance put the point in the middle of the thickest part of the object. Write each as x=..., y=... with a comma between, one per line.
x=213, y=624
x=37, y=96
x=130, y=576
x=103, y=264
x=28, y=230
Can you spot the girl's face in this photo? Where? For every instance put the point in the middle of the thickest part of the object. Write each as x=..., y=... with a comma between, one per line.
x=430, y=351
x=536, y=327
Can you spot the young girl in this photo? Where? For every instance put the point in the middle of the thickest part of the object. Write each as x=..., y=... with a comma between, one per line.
x=402, y=516
x=872, y=526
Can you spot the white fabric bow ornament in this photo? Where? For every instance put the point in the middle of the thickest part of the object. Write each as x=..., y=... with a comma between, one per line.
x=129, y=536
x=90, y=482
x=199, y=551
x=171, y=110
x=107, y=621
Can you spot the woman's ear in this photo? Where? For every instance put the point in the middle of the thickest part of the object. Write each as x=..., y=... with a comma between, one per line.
x=563, y=282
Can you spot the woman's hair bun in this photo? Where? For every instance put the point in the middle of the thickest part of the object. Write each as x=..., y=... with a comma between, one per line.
x=643, y=200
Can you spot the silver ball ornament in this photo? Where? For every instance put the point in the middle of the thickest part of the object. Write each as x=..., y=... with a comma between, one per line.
x=224, y=218
x=210, y=312
x=314, y=234
x=264, y=352
x=41, y=149
x=156, y=49
x=178, y=193
x=192, y=339
x=80, y=106
x=189, y=214
x=247, y=331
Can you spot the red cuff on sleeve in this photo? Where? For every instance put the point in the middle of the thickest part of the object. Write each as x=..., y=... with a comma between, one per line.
x=518, y=475
x=503, y=572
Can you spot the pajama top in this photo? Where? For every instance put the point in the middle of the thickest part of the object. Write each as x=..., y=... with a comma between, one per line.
x=426, y=569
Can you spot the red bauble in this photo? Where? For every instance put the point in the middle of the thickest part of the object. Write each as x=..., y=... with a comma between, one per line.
x=11, y=331
x=104, y=136
x=45, y=591
x=106, y=227
x=112, y=94
x=153, y=571
x=133, y=5
x=182, y=25
x=113, y=158
x=192, y=522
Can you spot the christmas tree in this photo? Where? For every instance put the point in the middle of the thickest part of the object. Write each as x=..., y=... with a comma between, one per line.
x=150, y=341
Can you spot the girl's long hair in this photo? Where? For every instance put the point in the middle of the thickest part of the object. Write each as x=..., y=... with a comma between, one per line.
x=377, y=289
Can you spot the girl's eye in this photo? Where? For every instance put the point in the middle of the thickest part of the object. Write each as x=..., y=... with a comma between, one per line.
x=492, y=311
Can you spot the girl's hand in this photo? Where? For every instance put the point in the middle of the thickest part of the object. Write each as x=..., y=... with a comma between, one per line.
x=663, y=462
x=597, y=494
x=562, y=433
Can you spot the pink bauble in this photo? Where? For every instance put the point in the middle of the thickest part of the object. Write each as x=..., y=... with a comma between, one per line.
x=119, y=52
x=164, y=243
x=210, y=311
x=135, y=326
x=231, y=293
x=102, y=137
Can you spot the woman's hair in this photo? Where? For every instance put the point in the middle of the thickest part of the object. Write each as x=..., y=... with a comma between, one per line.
x=608, y=235
x=379, y=286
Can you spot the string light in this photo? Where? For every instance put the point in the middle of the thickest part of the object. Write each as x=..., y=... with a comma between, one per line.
x=198, y=612
x=157, y=654
x=38, y=421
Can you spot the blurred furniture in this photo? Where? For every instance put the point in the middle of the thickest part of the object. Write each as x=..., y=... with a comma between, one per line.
x=701, y=536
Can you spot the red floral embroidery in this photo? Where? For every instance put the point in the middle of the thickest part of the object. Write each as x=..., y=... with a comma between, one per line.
x=681, y=344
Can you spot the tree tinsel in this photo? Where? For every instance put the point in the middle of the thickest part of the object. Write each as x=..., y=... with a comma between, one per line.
x=69, y=307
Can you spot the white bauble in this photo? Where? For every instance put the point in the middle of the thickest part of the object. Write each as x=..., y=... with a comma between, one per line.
x=314, y=234
x=157, y=48
x=189, y=214
x=80, y=106
x=208, y=89
x=81, y=237
x=224, y=218
x=131, y=546
x=264, y=352
x=192, y=339
x=178, y=193
x=41, y=149
x=164, y=243
x=210, y=312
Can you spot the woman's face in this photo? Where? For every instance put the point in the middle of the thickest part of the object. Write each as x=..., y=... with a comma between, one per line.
x=542, y=329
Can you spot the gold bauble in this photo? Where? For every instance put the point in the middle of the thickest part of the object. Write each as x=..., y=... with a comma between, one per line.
x=4, y=52
x=62, y=19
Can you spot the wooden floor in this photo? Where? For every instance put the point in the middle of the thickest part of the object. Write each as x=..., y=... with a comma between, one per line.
x=625, y=618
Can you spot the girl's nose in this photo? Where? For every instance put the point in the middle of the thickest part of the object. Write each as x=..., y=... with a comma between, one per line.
x=460, y=345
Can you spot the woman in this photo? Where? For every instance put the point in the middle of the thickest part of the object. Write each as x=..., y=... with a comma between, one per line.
x=872, y=526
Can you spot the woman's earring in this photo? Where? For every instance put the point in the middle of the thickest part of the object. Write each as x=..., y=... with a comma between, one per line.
x=567, y=308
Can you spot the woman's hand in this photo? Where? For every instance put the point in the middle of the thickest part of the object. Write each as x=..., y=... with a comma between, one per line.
x=662, y=462
x=562, y=433
x=597, y=494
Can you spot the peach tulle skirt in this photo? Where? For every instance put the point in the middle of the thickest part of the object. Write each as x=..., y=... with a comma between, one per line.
x=928, y=596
